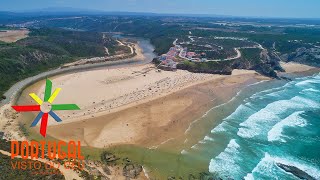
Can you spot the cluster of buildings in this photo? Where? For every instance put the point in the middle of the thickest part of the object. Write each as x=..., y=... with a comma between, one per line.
x=169, y=60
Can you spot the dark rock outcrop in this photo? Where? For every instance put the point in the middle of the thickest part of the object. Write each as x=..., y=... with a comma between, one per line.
x=270, y=62
x=108, y=157
x=132, y=170
x=1, y=135
x=106, y=170
x=303, y=55
x=295, y=171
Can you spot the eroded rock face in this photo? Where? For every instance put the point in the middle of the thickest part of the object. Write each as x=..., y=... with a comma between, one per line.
x=108, y=157
x=106, y=170
x=1, y=135
x=132, y=170
x=269, y=63
x=310, y=56
x=295, y=171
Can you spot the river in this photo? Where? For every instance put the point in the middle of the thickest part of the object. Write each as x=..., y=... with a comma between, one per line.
x=145, y=45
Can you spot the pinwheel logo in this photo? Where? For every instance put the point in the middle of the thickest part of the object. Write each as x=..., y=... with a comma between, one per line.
x=45, y=107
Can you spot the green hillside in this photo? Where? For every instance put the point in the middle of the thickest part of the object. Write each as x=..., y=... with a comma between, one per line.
x=46, y=49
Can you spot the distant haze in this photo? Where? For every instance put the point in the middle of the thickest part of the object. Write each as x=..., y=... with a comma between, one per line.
x=251, y=8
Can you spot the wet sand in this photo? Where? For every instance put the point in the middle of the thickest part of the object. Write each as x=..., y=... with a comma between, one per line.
x=147, y=122
x=153, y=116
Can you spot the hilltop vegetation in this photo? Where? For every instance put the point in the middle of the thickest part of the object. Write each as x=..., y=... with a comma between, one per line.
x=291, y=39
x=45, y=49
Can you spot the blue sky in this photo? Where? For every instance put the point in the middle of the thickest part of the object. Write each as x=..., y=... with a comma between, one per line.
x=260, y=8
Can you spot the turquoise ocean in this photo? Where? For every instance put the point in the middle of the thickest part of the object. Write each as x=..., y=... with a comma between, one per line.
x=266, y=124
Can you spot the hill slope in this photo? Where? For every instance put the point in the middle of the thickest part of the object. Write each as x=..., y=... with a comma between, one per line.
x=46, y=49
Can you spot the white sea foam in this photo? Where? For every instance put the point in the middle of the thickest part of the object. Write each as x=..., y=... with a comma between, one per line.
x=184, y=152
x=207, y=138
x=232, y=99
x=317, y=76
x=307, y=83
x=226, y=160
x=206, y=114
x=267, y=167
x=272, y=90
x=277, y=93
x=249, y=177
x=267, y=117
x=259, y=94
x=293, y=120
x=240, y=112
x=257, y=123
x=191, y=124
x=259, y=82
x=305, y=103
x=237, y=115
x=194, y=146
x=311, y=90
x=219, y=128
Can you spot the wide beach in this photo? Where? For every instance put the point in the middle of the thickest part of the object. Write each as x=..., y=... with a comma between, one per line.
x=127, y=108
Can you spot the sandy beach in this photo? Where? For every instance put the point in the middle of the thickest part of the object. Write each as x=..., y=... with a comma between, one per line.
x=134, y=105
x=110, y=90
x=292, y=67
x=138, y=105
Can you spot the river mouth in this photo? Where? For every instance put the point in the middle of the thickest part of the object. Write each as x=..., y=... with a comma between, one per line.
x=211, y=143
x=166, y=159
x=144, y=44
x=189, y=154
x=199, y=149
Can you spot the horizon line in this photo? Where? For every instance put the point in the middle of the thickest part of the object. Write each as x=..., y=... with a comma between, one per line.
x=96, y=11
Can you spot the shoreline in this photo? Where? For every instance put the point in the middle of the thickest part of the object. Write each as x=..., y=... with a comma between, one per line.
x=183, y=104
x=16, y=89
x=8, y=116
x=169, y=113
x=171, y=129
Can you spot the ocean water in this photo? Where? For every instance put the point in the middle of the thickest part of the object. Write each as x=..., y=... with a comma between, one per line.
x=276, y=125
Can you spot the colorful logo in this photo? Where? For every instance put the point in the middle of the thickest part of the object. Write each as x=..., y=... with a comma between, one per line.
x=45, y=107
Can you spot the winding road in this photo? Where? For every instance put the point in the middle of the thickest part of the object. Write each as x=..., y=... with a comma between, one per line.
x=239, y=55
x=17, y=88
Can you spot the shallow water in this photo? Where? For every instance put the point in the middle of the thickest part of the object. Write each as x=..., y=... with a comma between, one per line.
x=266, y=123
x=279, y=124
